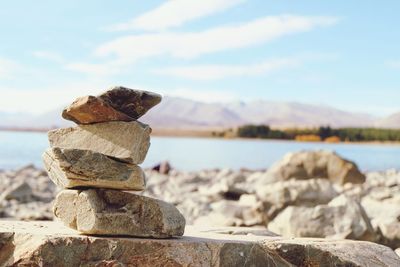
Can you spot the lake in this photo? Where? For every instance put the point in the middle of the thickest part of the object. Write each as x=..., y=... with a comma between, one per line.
x=21, y=148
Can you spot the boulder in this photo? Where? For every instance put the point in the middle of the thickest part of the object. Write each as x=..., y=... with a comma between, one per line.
x=52, y=244
x=70, y=168
x=279, y=195
x=113, y=212
x=117, y=104
x=126, y=141
x=341, y=218
x=315, y=164
x=20, y=191
x=90, y=109
x=384, y=212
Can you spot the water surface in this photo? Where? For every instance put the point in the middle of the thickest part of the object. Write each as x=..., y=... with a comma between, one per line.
x=22, y=148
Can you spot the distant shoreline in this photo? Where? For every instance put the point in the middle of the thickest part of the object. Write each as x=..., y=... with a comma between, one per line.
x=208, y=133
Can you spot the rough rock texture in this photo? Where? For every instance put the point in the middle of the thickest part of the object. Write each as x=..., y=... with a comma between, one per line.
x=26, y=194
x=216, y=197
x=51, y=244
x=342, y=218
x=132, y=102
x=315, y=164
x=90, y=109
x=278, y=196
x=126, y=141
x=70, y=168
x=113, y=212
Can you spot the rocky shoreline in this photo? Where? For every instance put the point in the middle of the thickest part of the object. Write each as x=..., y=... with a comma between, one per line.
x=292, y=207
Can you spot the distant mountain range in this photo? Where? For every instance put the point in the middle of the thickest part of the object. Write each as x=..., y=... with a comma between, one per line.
x=184, y=113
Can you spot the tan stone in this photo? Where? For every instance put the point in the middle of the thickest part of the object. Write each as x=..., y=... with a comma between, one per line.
x=314, y=164
x=70, y=168
x=90, y=109
x=52, y=244
x=112, y=212
x=126, y=141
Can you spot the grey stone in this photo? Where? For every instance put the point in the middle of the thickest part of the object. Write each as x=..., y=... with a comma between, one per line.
x=112, y=212
x=126, y=141
x=69, y=168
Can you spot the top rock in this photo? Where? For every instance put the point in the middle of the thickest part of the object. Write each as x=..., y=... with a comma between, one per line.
x=116, y=104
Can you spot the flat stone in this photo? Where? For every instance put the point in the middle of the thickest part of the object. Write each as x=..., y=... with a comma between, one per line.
x=52, y=244
x=71, y=168
x=132, y=102
x=91, y=109
x=126, y=141
x=113, y=212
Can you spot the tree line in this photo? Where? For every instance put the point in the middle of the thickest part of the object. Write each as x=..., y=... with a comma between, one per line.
x=321, y=133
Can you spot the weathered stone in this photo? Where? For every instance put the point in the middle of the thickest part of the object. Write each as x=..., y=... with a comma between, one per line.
x=341, y=218
x=112, y=212
x=279, y=195
x=126, y=141
x=52, y=244
x=69, y=168
x=20, y=191
x=132, y=102
x=314, y=164
x=313, y=252
x=91, y=109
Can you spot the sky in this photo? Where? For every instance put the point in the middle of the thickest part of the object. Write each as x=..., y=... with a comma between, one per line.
x=342, y=54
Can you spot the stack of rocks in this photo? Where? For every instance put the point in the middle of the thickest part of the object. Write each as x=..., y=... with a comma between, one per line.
x=94, y=161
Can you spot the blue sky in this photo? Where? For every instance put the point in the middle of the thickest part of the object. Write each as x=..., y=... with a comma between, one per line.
x=338, y=53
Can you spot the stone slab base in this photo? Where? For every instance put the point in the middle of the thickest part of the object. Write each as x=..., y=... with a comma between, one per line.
x=52, y=244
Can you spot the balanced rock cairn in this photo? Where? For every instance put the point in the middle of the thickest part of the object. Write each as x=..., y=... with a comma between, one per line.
x=96, y=161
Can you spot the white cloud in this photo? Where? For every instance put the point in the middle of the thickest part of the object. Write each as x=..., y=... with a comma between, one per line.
x=48, y=55
x=194, y=44
x=214, y=72
x=175, y=13
x=38, y=100
x=93, y=69
x=8, y=68
x=203, y=95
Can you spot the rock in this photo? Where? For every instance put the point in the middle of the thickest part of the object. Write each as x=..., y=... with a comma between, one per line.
x=126, y=141
x=52, y=244
x=69, y=168
x=383, y=208
x=313, y=252
x=112, y=212
x=132, y=102
x=341, y=218
x=90, y=109
x=20, y=191
x=397, y=250
x=117, y=104
x=315, y=164
x=279, y=195
x=163, y=167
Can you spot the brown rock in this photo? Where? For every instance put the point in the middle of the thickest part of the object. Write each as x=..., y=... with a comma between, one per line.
x=117, y=104
x=126, y=141
x=112, y=212
x=70, y=168
x=132, y=102
x=90, y=109
x=52, y=244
